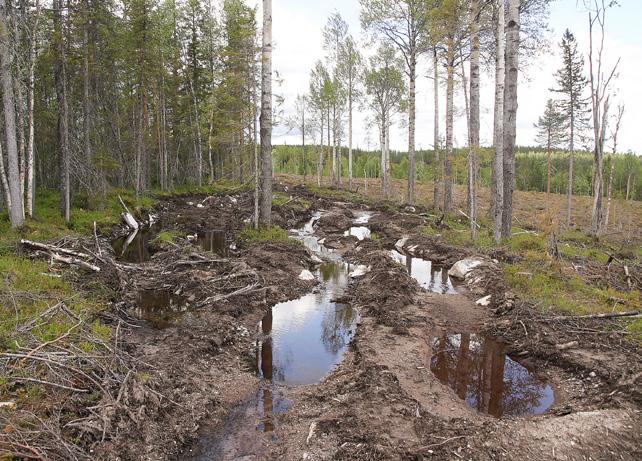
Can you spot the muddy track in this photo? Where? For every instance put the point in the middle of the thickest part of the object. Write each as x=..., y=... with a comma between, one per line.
x=382, y=401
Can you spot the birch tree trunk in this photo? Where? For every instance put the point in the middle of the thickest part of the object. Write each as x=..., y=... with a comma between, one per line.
x=412, y=69
x=450, y=89
x=510, y=113
x=436, y=146
x=266, y=117
x=474, y=125
x=320, y=162
x=16, y=209
x=598, y=173
x=497, y=185
x=350, y=97
x=31, y=185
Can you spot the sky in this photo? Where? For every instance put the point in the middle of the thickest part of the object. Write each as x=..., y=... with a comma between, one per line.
x=298, y=44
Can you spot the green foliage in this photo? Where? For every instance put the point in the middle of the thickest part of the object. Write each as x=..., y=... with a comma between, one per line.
x=166, y=237
x=250, y=236
x=531, y=170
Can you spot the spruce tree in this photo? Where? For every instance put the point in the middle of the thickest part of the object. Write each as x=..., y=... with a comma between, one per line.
x=551, y=129
x=572, y=84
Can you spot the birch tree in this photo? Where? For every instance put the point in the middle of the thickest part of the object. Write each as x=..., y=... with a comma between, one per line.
x=385, y=89
x=12, y=188
x=449, y=24
x=350, y=67
x=497, y=180
x=265, y=216
x=474, y=123
x=31, y=84
x=403, y=24
x=510, y=113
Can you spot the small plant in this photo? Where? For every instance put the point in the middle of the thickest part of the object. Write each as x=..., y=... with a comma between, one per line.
x=250, y=236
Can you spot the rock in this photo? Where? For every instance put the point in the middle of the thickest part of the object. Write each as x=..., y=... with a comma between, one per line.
x=463, y=267
x=401, y=242
x=306, y=275
x=485, y=301
x=359, y=271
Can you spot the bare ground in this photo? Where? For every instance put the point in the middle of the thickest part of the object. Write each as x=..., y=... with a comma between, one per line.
x=191, y=373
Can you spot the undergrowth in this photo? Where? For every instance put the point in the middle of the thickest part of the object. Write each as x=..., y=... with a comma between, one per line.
x=250, y=236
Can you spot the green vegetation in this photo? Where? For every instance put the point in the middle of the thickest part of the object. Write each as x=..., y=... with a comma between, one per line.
x=250, y=236
x=553, y=285
x=166, y=237
x=531, y=168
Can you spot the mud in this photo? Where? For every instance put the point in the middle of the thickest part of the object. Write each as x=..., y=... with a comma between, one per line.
x=235, y=374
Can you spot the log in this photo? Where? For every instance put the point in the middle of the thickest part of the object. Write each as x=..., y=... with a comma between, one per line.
x=128, y=217
x=53, y=249
x=628, y=277
x=74, y=262
x=607, y=315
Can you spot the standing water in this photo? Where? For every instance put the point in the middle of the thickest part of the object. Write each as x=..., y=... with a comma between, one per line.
x=299, y=343
x=429, y=277
x=479, y=371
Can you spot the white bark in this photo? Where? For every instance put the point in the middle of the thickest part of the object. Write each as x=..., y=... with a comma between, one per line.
x=510, y=113
x=436, y=146
x=266, y=117
x=497, y=192
x=474, y=124
x=31, y=177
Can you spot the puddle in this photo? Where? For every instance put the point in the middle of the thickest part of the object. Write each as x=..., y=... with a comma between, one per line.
x=307, y=337
x=479, y=371
x=361, y=232
x=134, y=248
x=214, y=240
x=299, y=342
x=435, y=279
x=159, y=307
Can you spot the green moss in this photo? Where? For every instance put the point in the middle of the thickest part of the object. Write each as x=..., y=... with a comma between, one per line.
x=250, y=236
x=166, y=237
x=280, y=199
x=527, y=242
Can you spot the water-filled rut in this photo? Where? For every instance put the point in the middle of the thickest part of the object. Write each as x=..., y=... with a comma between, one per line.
x=299, y=343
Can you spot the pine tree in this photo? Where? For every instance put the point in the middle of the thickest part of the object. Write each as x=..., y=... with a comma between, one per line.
x=572, y=84
x=551, y=130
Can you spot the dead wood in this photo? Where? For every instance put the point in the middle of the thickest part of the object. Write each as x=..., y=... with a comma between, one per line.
x=608, y=315
x=53, y=249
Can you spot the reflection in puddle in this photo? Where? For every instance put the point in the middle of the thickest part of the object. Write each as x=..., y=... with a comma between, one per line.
x=159, y=307
x=134, y=248
x=213, y=240
x=299, y=343
x=361, y=232
x=308, y=336
x=481, y=373
x=431, y=278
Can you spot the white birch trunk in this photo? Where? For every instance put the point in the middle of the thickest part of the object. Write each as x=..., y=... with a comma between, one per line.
x=510, y=113
x=266, y=117
x=497, y=186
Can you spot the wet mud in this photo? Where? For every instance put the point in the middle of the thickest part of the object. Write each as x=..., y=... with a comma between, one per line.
x=255, y=360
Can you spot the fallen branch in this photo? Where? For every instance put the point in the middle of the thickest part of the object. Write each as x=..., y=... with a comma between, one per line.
x=476, y=224
x=240, y=291
x=74, y=262
x=608, y=315
x=53, y=249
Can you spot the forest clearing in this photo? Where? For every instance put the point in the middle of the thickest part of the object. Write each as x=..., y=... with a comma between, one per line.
x=179, y=281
